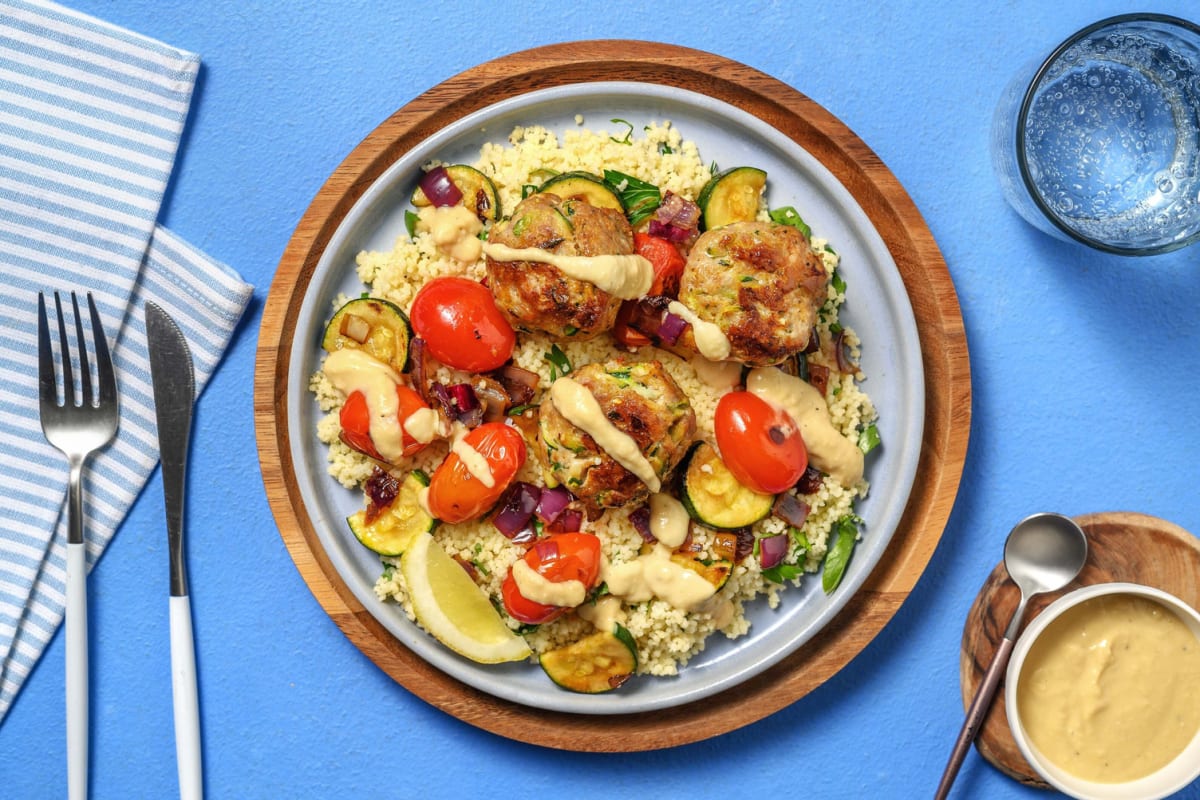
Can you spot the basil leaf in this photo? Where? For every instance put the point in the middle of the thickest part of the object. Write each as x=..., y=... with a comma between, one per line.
x=868, y=438
x=410, y=223
x=839, y=553
x=839, y=283
x=790, y=216
x=641, y=199
x=559, y=363
x=781, y=573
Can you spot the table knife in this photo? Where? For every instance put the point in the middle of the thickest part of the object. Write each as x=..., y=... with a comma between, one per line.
x=174, y=389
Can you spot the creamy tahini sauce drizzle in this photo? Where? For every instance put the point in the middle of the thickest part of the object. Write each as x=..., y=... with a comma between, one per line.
x=604, y=613
x=454, y=229
x=580, y=408
x=669, y=520
x=350, y=371
x=711, y=341
x=828, y=450
x=625, y=276
x=717, y=374
x=423, y=425
x=1110, y=691
x=536, y=587
x=654, y=574
x=472, y=459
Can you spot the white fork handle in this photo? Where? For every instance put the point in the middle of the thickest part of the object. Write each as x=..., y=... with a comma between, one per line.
x=77, y=672
x=187, y=706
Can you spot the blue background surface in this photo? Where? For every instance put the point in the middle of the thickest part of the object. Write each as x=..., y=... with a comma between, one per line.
x=1083, y=370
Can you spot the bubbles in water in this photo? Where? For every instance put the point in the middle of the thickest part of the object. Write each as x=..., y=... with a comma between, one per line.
x=1109, y=145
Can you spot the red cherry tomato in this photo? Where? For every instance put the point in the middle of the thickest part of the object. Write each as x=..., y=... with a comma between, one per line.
x=461, y=325
x=665, y=258
x=356, y=421
x=455, y=495
x=759, y=443
x=559, y=558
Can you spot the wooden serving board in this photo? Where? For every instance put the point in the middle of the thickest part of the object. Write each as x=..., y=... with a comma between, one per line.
x=893, y=214
x=1122, y=547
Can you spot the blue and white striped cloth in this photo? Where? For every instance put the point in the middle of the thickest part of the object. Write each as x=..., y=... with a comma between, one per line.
x=90, y=121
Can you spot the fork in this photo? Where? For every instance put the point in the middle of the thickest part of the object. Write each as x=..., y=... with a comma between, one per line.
x=77, y=426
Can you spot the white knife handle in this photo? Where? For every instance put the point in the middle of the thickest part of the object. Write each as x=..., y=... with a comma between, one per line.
x=77, y=672
x=187, y=706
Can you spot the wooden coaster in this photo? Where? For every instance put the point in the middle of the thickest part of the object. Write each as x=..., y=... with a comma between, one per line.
x=1122, y=546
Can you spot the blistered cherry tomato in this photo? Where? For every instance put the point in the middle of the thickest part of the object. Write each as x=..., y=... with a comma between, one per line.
x=356, y=422
x=558, y=558
x=461, y=325
x=759, y=443
x=455, y=495
x=665, y=258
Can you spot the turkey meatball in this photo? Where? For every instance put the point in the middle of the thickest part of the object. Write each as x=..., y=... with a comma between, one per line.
x=761, y=283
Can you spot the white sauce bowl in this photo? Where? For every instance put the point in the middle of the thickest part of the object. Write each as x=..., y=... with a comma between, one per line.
x=1174, y=776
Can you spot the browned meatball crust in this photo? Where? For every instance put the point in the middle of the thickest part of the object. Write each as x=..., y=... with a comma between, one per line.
x=638, y=398
x=761, y=283
x=538, y=297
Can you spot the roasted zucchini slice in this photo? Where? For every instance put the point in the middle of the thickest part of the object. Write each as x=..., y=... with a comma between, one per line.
x=598, y=663
x=585, y=186
x=390, y=533
x=715, y=572
x=378, y=327
x=713, y=497
x=478, y=192
x=731, y=196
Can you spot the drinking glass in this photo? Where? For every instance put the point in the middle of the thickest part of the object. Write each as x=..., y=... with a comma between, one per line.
x=1100, y=142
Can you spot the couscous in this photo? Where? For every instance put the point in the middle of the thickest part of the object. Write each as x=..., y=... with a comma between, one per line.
x=670, y=396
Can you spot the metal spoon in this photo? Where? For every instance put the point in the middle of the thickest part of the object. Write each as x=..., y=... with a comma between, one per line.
x=1043, y=553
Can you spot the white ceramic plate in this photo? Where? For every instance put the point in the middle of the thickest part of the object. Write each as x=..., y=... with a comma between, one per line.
x=877, y=308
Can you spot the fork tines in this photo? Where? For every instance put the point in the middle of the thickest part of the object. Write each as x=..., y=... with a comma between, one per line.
x=47, y=374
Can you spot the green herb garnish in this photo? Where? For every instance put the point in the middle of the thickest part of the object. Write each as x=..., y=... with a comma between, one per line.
x=868, y=438
x=641, y=199
x=839, y=553
x=781, y=573
x=790, y=216
x=559, y=363
x=410, y=223
x=839, y=283
x=628, y=138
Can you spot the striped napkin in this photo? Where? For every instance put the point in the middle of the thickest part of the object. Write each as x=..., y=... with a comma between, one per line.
x=90, y=121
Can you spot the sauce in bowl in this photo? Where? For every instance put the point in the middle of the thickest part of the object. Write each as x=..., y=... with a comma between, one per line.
x=1109, y=690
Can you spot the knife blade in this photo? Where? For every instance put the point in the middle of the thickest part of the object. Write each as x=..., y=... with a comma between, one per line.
x=173, y=379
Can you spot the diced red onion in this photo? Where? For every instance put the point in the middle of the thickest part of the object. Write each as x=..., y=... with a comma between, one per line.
x=441, y=395
x=640, y=519
x=814, y=341
x=420, y=369
x=668, y=231
x=790, y=509
x=493, y=398
x=516, y=512
x=521, y=384
x=810, y=482
x=552, y=503
x=464, y=396
x=671, y=327
x=678, y=211
x=381, y=489
x=569, y=521
x=839, y=352
x=439, y=188
x=771, y=550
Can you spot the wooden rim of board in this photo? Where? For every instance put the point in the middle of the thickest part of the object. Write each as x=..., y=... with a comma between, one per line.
x=939, y=326
x=1122, y=546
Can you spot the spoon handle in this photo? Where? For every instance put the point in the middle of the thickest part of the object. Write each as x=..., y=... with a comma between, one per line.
x=975, y=714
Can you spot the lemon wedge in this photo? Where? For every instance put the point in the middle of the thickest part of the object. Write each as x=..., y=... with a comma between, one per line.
x=455, y=611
